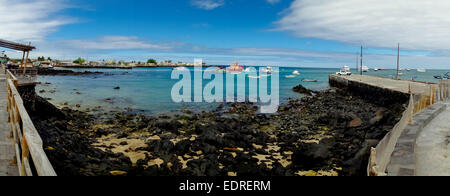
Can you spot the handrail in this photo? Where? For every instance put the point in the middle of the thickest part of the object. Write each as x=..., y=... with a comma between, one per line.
x=26, y=138
x=380, y=156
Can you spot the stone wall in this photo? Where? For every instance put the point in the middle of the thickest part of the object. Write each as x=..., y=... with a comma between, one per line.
x=374, y=94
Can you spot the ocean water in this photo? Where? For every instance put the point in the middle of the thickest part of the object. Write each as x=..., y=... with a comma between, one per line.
x=149, y=89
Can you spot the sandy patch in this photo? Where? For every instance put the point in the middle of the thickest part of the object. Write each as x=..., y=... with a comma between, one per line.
x=128, y=150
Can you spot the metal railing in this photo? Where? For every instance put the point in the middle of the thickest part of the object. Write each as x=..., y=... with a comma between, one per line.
x=27, y=141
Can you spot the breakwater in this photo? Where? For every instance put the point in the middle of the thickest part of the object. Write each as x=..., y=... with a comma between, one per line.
x=394, y=155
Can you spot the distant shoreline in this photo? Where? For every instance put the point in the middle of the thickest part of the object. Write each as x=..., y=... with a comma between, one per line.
x=122, y=67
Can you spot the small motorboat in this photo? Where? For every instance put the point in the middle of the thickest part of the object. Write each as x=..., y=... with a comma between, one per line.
x=267, y=70
x=310, y=80
x=254, y=77
x=290, y=76
x=422, y=70
x=296, y=72
x=249, y=69
x=445, y=77
x=365, y=68
x=180, y=69
x=220, y=70
x=345, y=71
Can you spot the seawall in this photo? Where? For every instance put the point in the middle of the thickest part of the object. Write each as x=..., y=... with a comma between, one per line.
x=394, y=155
x=375, y=94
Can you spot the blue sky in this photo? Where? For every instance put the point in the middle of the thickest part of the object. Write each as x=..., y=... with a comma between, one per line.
x=254, y=32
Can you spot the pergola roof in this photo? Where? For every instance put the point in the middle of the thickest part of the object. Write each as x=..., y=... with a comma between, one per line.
x=15, y=46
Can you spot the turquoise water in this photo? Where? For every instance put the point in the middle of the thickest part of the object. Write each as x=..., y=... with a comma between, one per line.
x=149, y=89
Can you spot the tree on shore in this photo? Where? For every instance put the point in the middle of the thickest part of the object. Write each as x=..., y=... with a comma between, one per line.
x=152, y=61
x=79, y=61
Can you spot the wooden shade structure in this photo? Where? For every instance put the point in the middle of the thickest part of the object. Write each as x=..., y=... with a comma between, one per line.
x=19, y=47
x=16, y=46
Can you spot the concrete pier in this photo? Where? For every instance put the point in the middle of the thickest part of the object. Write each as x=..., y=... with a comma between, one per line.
x=419, y=144
x=403, y=86
x=433, y=148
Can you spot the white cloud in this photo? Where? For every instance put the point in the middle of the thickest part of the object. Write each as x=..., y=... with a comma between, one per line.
x=116, y=43
x=417, y=25
x=30, y=20
x=207, y=4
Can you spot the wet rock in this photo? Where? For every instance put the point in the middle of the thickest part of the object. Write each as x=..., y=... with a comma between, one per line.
x=57, y=72
x=302, y=90
x=310, y=155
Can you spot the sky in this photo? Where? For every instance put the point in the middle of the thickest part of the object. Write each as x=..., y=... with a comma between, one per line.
x=300, y=33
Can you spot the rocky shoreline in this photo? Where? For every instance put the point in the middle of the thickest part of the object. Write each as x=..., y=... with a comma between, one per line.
x=329, y=133
x=57, y=72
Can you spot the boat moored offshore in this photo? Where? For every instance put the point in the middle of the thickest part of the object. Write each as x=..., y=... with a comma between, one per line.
x=267, y=70
x=422, y=70
x=235, y=68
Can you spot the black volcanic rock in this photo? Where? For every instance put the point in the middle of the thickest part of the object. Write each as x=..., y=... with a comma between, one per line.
x=302, y=90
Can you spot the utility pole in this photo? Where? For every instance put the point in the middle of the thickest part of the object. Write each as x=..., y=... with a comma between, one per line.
x=398, y=60
x=361, y=60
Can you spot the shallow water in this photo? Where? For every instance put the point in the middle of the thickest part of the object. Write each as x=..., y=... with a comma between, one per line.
x=149, y=89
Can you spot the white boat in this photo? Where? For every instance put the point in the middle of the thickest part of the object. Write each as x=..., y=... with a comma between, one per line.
x=310, y=80
x=345, y=69
x=180, y=69
x=291, y=76
x=267, y=70
x=296, y=72
x=365, y=68
x=422, y=70
x=376, y=69
x=254, y=77
x=249, y=69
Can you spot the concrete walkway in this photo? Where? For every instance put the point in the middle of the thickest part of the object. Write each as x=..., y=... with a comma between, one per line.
x=432, y=147
x=387, y=83
x=6, y=142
